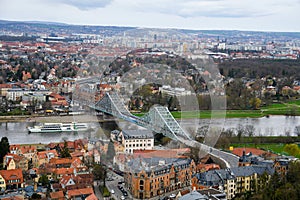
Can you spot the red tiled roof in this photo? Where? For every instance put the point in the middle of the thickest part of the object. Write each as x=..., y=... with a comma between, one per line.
x=170, y=153
x=92, y=197
x=254, y=151
x=15, y=157
x=12, y=174
x=57, y=195
x=65, y=179
x=79, y=192
x=43, y=154
x=59, y=161
x=64, y=171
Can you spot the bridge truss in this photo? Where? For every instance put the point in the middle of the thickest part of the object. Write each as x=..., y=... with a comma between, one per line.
x=158, y=119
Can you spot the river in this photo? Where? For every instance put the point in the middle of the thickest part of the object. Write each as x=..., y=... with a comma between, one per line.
x=272, y=126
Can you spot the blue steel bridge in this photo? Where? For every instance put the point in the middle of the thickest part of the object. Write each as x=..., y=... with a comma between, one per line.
x=159, y=120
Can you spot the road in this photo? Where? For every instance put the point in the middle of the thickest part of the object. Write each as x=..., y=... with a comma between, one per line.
x=113, y=185
x=229, y=159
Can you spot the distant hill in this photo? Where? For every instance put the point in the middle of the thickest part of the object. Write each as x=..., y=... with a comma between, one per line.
x=56, y=27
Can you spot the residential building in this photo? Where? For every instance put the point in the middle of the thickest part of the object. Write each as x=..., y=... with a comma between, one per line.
x=251, y=178
x=14, y=161
x=136, y=140
x=2, y=183
x=281, y=166
x=46, y=156
x=220, y=179
x=13, y=178
x=79, y=193
x=15, y=94
x=150, y=177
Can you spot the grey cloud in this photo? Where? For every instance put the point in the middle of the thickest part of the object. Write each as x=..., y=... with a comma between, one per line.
x=86, y=4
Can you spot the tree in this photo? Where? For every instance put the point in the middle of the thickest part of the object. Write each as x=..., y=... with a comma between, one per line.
x=255, y=103
x=44, y=180
x=4, y=148
x=249, y=130
x=65, y=151
x=99, y=173
x=292, y=149
x=240, y=131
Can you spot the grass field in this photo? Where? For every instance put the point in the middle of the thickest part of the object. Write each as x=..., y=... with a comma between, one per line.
x=291, y=108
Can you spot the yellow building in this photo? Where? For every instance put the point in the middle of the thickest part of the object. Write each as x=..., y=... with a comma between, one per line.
x=13, y=161
x=160, y=176
x=2, y=183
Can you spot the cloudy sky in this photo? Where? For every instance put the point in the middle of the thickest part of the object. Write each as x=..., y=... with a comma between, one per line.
x=260, y=15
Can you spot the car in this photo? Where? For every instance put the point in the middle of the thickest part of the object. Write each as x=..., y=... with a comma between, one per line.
x=112, y=191
x=172, y=196
x=122, y=197
x=125, y=193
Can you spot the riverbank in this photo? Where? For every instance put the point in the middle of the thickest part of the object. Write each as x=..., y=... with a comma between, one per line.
x=51, y=118
x=203, y=114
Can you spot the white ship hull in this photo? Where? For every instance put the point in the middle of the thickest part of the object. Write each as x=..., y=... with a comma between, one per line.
x=59, y=127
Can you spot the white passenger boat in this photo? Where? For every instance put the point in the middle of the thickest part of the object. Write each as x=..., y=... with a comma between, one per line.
x=59, y=127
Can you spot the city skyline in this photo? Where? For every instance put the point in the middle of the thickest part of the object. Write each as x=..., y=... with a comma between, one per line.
x=254, y=15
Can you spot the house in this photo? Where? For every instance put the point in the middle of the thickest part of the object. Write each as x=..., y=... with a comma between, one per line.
x=93, y=156
x=13, y=178
x=60, y=172
x=220, y=179
x=57, y=101
x=46, y=156
x=67, y=180
x=281, y=166
x=2, y=183
x=14, y=161
x=136, y=139
x=79, y=193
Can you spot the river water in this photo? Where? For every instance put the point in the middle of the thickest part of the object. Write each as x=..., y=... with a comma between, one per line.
x=273, y=126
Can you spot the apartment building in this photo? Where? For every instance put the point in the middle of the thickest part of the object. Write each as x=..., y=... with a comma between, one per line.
x=150, y=177
x=135, y=140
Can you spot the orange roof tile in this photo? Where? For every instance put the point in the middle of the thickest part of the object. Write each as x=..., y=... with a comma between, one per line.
x=43, y=154
x=59, y=161
x=92, y=197
x=64, y=171
x=79, y=192
x=12, y=174
x=57, y=195
x=258, y=152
